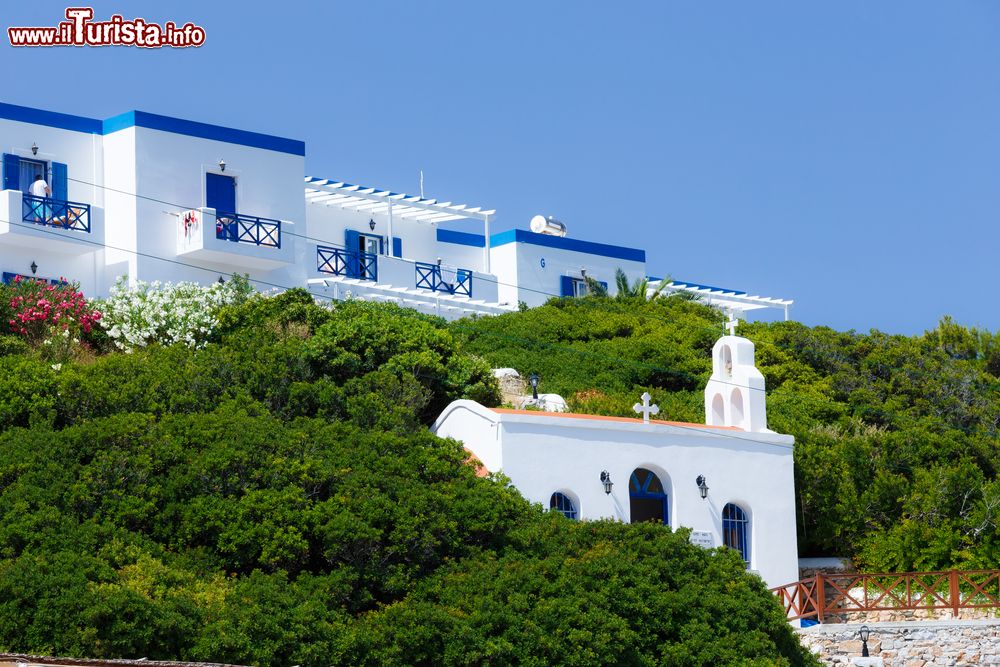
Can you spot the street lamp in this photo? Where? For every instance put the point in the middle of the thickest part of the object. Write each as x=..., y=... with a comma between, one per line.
x=865, y=632
x=702, y=486
x=533, y=379
x=606, y=481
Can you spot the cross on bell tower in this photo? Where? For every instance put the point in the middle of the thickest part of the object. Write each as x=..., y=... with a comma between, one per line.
x=645, y=409
x=732, y=324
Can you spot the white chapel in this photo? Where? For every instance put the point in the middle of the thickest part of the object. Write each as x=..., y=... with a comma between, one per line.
x=730, y=480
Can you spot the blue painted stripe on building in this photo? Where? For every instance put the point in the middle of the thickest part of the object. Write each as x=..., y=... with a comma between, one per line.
x=563, y=243
x=120, y=122
x=684, y=283
x=204, y=131
x=461, y=238
x=154, y=122
x=63, y=121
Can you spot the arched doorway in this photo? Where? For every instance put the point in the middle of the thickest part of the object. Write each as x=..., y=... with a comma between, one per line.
x=647, y=497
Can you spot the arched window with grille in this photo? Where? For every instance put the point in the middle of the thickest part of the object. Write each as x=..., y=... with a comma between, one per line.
x=736, y=530
x=563, y=504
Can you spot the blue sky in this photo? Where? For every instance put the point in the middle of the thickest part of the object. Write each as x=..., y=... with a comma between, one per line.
x=842, y=154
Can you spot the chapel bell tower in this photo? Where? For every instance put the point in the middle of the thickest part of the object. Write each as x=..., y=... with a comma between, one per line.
x=734, y=395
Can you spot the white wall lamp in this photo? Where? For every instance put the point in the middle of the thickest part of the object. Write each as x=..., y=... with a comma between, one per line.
x=222, y=165
x=34, y=148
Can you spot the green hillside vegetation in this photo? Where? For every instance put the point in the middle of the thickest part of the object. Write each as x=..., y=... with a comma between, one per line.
x=274, y=497
x=896, y=436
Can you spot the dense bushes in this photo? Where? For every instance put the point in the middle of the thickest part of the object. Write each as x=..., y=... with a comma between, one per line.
x=274, y=497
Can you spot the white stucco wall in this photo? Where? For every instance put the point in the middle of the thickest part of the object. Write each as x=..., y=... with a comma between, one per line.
x=543, y=453
x=537, y=269
x=52, y=249
x=172, y=167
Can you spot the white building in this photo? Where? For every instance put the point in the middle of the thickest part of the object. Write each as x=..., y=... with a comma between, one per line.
x=730, y=480
x=157, y=198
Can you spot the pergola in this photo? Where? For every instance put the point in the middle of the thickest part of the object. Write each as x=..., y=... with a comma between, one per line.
x=734, y=301
x=396, y=205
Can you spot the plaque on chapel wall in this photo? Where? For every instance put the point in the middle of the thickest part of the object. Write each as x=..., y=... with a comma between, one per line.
x=703, y=538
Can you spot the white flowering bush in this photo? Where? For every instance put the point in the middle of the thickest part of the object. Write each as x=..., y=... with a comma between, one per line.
x=167, y=313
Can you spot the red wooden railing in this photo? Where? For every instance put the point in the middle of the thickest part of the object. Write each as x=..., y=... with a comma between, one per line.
x=828, y=595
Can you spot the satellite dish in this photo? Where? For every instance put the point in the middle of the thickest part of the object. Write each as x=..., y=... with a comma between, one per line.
x=542, y=225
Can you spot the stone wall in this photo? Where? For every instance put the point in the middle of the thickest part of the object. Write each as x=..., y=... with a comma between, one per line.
x=913, y=644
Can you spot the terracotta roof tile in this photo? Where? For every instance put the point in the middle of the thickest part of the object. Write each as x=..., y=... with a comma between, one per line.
x=633, y=420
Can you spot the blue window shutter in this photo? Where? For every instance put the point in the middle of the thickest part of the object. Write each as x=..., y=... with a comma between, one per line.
x=565, y=286
x=60, y=185
x=397, y=246
x=352, y=241
x=381, y=245
x=11, y=172
x=220, y=193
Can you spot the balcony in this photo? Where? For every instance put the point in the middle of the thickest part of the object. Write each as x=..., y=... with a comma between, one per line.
x=457, y=282
x=56, y=213
x=248, y=229
x=343, y=274
x=346, y=263
x=234, y=240
x=45, y=223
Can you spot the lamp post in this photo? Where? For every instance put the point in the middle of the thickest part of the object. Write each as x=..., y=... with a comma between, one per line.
x=702, y=486
x=864, y=633
x=533, y=379
x=606, y=481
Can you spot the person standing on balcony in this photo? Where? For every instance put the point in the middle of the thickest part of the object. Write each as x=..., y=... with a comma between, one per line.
x=39, y=188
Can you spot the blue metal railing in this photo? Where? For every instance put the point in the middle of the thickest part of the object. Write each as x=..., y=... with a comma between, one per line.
x=429, y=277
x=56, y=212
x=241, y=228
x=349, y=263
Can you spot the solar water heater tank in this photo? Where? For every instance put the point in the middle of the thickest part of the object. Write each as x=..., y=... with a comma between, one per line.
x=542, y=225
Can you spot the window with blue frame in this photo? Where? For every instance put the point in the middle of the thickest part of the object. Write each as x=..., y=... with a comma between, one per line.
x=648, y=500
x=736, y=530
x=563, y=504
x=570, y=286
x=20, y=172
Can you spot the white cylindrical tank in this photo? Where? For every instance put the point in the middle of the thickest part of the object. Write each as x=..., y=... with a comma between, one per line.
x=542, y=225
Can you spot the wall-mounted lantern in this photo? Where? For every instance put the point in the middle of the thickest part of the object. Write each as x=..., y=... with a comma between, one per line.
x=34, y=148
x=371, y=224
x=222, y=165
x=702, y=486
x=34, y=267
x=606, y=481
